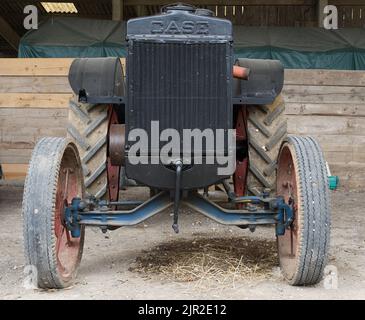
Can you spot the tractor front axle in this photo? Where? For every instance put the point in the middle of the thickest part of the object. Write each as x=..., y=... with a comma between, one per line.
x=263, y=211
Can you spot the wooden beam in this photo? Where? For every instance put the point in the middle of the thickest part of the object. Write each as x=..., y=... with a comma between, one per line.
x=347, y=2
x=35, y=67
x=8, y=33
x=118, y=6
x=225, y=2
x=324, y=78
x=36, y=84
x=142, y=11
x=30, y=67
x=35, y=100
x=14, y=171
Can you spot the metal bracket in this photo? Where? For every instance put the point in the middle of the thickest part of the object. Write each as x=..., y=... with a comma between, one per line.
x=179, y=166
x=71, y=217
x=83, y=98
x=285, y=217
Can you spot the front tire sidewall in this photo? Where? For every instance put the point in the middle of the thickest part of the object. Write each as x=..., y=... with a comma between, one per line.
x=39, y=212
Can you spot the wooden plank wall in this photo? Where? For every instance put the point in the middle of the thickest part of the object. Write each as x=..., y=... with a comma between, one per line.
x=350, y=16
x=329, y=105
x=260, y=15
x=34, y=96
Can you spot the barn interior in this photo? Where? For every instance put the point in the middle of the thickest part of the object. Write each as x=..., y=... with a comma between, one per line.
x=323, y=95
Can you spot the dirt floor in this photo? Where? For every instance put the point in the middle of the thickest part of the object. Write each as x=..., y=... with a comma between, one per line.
x=205, y=261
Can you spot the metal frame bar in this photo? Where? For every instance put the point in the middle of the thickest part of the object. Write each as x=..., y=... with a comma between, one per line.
x=268, y=213
x=120, y=218
x=237, y=217
x=104, y=100
x=121, y=100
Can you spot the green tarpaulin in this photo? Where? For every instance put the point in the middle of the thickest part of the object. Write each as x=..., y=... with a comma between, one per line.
x=303, y=48
x=297, y=48
x=60, y=37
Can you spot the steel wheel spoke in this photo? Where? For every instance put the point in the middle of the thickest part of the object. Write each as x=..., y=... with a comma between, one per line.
x=59, y=239
x=65, y=195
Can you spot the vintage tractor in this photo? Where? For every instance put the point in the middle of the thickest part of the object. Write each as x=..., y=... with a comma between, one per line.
x=181, y=78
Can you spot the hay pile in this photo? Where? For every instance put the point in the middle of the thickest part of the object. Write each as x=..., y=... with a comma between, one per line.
x=220, y=261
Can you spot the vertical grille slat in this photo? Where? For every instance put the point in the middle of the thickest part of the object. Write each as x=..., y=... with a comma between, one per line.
x=182, y=85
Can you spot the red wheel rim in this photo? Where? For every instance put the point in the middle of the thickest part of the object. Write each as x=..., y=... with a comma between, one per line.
x=68, y=187
x=113, y=172
x=287, y=187
x=240, y=175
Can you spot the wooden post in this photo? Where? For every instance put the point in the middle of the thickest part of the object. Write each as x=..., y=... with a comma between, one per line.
x=320, y=8
x=142, y=11
x=117, y=6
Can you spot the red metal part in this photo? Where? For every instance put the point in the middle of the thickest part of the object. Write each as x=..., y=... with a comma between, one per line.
x=113, y=172
x=240, y=175
x=67, y=247
x=241, y=73
x=116, y=144
x=287, y=187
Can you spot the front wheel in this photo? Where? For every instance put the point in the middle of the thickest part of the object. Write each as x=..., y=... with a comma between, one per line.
x=54, y=179
x=302, y=181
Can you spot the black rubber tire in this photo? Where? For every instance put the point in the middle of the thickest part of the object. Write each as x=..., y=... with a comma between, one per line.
x=267, y=128
x=313, y=213
x=39, y=211
x=88, y=129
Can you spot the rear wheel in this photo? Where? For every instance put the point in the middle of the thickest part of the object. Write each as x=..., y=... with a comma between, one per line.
x=302, y=181
x=88, y=128
x=54, y=179
x=267, y=129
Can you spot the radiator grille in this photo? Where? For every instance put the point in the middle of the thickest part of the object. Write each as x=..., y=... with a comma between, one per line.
x=183, y=86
